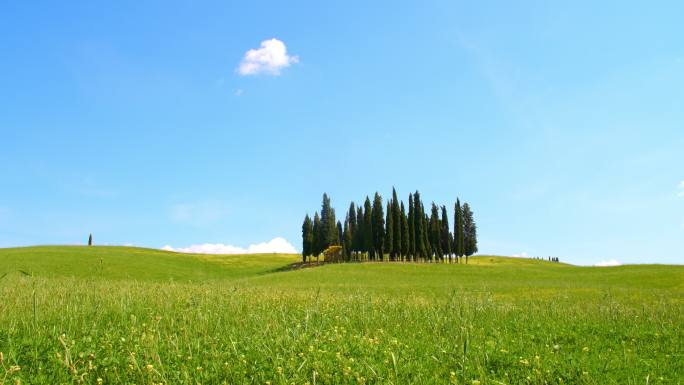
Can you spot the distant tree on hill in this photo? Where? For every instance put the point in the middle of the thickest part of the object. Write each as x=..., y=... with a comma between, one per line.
x=307, y=238
x=90, y=239
x=469, y=231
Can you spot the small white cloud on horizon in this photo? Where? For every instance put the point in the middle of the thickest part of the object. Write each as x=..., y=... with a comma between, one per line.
x=278, y=245
x=609, y=262
x=521, y=255
x=269, y=59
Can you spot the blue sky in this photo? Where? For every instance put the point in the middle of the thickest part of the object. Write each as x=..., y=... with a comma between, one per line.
x=561, y=124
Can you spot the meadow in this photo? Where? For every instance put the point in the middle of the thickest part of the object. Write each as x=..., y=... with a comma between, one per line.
x=116, y=315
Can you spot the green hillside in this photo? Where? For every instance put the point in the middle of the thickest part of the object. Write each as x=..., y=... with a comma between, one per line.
x=139, y=316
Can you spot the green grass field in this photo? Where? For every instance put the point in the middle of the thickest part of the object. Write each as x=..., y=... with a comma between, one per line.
x=137, y=316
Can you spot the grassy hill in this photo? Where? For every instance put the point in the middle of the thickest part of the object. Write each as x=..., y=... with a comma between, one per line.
x=132, y=315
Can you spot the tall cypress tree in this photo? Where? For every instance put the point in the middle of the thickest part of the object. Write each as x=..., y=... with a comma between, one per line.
x=358, y=236
x=334, y=233
x=340, y=235
x=327, y=223
x=470, y=231
x=404, y=233
x=435, y=232
x=347, y=239
x=307, y=237
x=459, y=238
x=446, y=240
x=396, y=230
x=378, y=226
x=426, y=236
x=412, y=229
x=317, y=236
x=418, y=225
x=389, y=231
x=368, y=228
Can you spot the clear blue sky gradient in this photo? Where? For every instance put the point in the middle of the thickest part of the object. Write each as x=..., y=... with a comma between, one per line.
x=562, y=125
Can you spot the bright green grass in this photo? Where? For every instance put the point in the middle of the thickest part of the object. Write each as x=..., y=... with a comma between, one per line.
x=109, y=312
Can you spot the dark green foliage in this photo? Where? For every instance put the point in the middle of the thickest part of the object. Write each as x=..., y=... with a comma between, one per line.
x=307, y=237
x=445, y=236
x=404, y=233
x=389, y=231
x=373, y=231
x=411, y=229
x=435, y=233
x=90, y=240
x=418, y=226
x=396, y=230
x=469, y=231
x=378, y=227
x=340, y=235
x=459, y=239
x=367, y=227
x=317, y=236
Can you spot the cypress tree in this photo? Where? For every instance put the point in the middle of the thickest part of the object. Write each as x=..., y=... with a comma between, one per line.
x=469, y=231
x=378, y=226
x=327, y=223
x=368, y=228
x=427, y=247
x=90, y=239
x=334, y=232
x=307, y=237
x=347, y=239
x=317, y=236
x=412, y=229
x=404, y=233
x=435, y=232
x=340, y=234
x=459, y=238
x=359, y=234
x=396, y=230
x=418, y=225
x=446, y=241
x=389, y=231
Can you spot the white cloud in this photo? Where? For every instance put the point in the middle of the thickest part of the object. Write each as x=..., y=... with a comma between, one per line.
x=609, y=262
x=681, y=187
x=276, y=245
x=238, y=92
x=269, y=59
x=521, y=255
